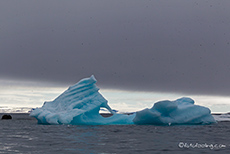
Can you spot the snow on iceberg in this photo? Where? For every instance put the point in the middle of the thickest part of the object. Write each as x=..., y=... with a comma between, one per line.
x=80, y=105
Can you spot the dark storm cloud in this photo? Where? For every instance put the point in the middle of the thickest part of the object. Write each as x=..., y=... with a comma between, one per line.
x=175, y=46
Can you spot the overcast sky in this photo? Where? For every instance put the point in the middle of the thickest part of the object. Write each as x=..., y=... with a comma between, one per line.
x=171, y=46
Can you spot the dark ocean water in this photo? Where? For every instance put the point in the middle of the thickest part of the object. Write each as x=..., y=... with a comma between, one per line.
x=23, y=135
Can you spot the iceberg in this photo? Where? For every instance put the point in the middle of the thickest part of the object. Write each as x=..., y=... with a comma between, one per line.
x=80, y=105
x=180, y=111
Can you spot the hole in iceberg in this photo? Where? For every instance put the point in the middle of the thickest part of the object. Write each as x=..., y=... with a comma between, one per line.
x=104, y=112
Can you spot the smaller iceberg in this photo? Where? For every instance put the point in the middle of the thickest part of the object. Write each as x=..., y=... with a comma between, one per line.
x=80, y=105
x=180, y=111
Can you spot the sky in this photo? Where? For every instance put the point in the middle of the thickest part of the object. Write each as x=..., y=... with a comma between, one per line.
x=162, y=47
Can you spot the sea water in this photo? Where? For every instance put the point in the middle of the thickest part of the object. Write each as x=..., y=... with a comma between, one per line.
x=23, y=135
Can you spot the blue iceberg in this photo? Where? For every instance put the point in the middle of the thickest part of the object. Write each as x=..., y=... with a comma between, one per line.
x=80, y=105
x=180, y=111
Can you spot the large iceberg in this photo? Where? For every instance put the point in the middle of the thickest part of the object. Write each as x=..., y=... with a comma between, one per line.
x=80, y=105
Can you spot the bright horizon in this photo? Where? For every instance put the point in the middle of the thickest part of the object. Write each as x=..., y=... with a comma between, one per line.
x=23, y=98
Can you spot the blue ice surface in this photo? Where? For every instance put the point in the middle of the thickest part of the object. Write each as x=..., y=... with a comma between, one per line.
x=80, y=105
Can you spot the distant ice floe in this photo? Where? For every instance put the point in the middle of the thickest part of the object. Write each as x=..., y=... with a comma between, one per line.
x=9, y=109
x=222, y=117
x=80, y=105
